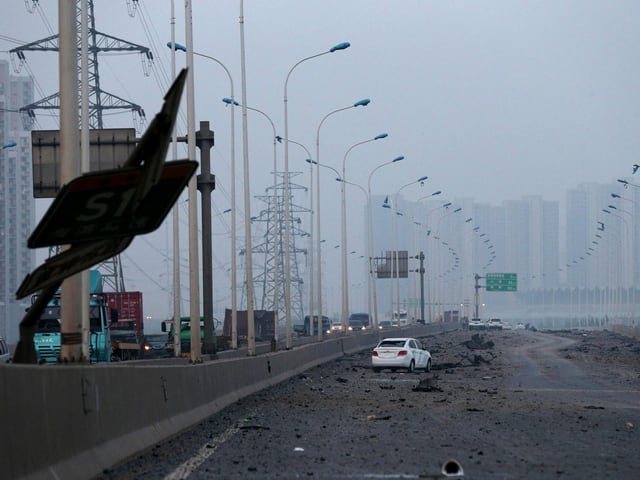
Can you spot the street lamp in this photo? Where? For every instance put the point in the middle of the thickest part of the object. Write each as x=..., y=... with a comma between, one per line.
x=175, y=217
x=310, y=253
x=194, y=261
x=372, y=270
x=345, y=274
x=626, y=183
x=207, y=245
x=367, y=198
x=360, y=103
x=8, y=145
x=397, y=272
x=426, y=247
x=276, y=242
x=287, y=229
x=438, y=286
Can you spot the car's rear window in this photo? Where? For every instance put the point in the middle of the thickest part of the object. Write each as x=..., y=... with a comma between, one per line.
x=392, y=343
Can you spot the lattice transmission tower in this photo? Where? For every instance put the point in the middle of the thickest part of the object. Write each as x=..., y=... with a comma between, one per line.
x=274, y=217
x=99, y=99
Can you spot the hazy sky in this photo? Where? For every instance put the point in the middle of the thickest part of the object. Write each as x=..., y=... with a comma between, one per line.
x=491, y=99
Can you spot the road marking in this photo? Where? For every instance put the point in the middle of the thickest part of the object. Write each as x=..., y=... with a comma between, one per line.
x=191, y=465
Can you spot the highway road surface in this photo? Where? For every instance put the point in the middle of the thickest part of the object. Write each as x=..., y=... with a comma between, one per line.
x=499, y=404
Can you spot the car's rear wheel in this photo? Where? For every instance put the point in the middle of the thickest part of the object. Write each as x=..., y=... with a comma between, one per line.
x=412, y=366
x=428, y=367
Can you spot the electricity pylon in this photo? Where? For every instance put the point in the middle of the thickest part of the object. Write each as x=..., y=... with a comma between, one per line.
x=99, y=100
x=273, y=216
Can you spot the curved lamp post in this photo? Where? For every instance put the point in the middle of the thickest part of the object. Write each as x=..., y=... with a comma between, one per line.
x=430, y=254
x=395, y=201
x=310, y=253
x=175, y=214
x=234, y=303
x=276, y=242
x=627, y=184
x=194, y=291
x=345, y=278
x=437, y=289
x=360, y=103
x=372, y=270
x=436, y=193
x=346, y=265
x=287, y=229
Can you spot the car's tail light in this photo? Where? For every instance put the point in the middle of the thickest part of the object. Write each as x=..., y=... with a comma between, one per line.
x=402, y=353
x=374, y=354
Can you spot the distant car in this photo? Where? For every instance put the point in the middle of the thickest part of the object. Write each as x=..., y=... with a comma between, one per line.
x=356, y=324
x=494, y=324
x=384, y=324
x=299, y=329
x=5, y=354
x=155, y=346
x=476, y=324
x=400, y=319
x=394, y=353
x=336, y=327
x=358, y=321
x=520, y=326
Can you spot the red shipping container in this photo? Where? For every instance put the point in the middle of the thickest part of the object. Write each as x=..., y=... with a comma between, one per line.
x=129, y=307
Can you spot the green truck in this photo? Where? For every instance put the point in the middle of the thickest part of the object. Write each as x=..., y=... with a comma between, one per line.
x=47, y=335
x=185, y=334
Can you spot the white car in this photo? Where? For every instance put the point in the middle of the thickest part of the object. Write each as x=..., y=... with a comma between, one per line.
x=494, y=324
x=396, y=353
x=336, y=327
x=476, y=324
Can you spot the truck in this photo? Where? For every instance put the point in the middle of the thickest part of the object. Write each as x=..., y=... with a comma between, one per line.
x=358, y=321
x=129, y=309
x=400, y=319
x=185, y=334
x=47, y=336
x=127, y=325
x=263, y=325
x=304, y=329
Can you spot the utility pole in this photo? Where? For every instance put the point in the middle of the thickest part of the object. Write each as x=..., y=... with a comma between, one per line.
x=206, y=184
x=421, y=271
x=99, y=100
x=477, y=287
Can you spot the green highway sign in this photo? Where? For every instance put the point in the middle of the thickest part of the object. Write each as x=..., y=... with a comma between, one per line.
x=502, y=282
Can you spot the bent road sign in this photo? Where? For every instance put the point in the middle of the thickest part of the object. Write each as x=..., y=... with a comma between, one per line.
x=99, y=206
x=71, y=261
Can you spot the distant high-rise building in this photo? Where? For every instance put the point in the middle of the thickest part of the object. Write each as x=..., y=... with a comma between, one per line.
x=532, y=241
x=17, y=206
x=600, y=232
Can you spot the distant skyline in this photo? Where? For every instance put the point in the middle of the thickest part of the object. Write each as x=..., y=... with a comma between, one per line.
x=492, y=100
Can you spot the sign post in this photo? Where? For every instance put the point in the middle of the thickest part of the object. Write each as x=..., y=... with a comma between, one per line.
x=495, y=282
